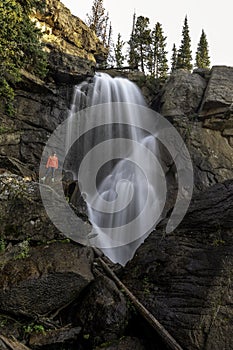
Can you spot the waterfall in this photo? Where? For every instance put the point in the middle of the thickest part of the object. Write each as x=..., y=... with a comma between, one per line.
x=116, y=165
x=123, y=156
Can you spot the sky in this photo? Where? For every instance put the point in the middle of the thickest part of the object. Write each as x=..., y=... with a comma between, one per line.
x=215, y=17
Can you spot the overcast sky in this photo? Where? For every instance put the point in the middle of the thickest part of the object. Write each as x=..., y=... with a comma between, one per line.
x=215, y=17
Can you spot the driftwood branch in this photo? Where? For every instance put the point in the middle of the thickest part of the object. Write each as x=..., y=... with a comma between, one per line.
x=165, y=335
x=13, y=343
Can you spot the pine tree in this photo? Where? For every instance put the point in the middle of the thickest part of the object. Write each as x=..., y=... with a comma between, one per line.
x=20, y=44
x=184, y=57
x=97, y=19
x=104, y=35
x=110, y=59
x=158, y=63
x=174, y=58
x=133, y=59
x=119, y=57
x=202, y=54
x=142, y=41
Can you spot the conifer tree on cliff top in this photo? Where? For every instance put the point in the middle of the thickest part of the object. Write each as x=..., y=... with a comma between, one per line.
x=184, y=57
x=119, y=57
x=202, y=54
x=157, y=62
x=97, y=20
x=142, y=41
x=133, y=59
x=174, y=58
x=20, y=45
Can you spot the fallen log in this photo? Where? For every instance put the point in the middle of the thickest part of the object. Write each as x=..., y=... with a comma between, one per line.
x=13, y=344
x=158, y=327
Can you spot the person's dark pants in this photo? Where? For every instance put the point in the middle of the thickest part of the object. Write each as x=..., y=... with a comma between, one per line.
x=50, y=169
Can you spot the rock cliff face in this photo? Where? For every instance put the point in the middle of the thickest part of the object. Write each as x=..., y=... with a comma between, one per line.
x=186, y=276
x=52, y=284
x=72, y=46
x=73, y=50
x=200, y=106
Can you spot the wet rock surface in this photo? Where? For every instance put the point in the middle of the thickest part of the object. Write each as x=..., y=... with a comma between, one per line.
x=127, y=343
x=103, y=311
x=185, y=277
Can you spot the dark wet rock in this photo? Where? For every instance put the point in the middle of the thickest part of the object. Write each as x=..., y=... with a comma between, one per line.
x=23, y=215
x=184, y=278
x=37, y=114
x=103, y=313
x=39, y=280
x=55, y=338
x=126, y=343
x=73, y=192
x=212, y=209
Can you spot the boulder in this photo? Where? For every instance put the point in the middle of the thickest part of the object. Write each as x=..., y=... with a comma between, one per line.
x=42, y=279
x=23, y=215
x=210, y=150
x=218, y=96
x=181, y=94
x=103, y=313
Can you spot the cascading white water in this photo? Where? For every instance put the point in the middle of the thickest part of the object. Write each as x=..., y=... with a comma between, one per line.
x=118, y=174
x=110, y=142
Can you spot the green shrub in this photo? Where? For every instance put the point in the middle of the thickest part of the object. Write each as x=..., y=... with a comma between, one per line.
x=20, y=46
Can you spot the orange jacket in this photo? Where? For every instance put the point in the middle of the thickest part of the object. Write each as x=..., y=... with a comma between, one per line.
x=52, y=162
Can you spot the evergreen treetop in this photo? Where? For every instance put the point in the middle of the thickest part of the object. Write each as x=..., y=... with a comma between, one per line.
x=97, y=20
x=133, y=59
x=158, y=64
x=202, y=54
x=119, y=57
x=142, y=40
x=184, y=57
x=174, y=58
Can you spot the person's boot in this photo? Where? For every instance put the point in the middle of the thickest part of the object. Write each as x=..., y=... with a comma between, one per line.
x=52, y=179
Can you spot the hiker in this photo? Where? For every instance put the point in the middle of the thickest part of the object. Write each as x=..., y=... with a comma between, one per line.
x=52, y=165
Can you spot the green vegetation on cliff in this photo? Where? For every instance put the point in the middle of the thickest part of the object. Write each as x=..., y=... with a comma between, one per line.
x=20, y=45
